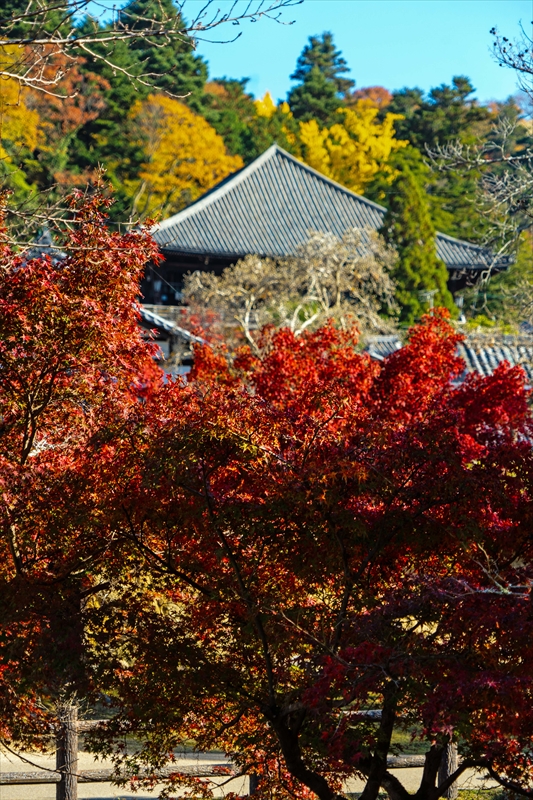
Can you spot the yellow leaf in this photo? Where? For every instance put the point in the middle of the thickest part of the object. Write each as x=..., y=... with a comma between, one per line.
x=354, y=151
x=184, y=156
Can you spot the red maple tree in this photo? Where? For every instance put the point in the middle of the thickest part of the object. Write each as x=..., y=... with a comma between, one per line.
x=72, y=361
x=258, y=559
x=308, y=537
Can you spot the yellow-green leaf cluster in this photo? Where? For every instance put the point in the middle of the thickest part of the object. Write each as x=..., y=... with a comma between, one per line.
x=354, y=150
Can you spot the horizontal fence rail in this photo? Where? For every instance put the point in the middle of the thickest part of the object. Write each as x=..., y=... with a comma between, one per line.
x=200, y=771
x=108, y=775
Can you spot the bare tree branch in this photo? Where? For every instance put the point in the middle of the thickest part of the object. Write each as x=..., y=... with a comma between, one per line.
x=347, y=280
x=40, y=45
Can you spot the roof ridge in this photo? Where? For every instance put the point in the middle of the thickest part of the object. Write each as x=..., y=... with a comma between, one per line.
x=218, y=191
x=233, y=180
x=325, y=178
x=463, y=242
x=230, y=181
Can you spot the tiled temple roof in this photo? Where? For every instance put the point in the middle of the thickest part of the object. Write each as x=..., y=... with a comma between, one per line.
x=270, y=206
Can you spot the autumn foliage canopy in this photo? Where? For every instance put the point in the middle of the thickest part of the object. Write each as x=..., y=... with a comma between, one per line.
x=326, y=536
x=257, y=558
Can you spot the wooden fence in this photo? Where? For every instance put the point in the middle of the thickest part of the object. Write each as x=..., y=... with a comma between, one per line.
x=66, y=776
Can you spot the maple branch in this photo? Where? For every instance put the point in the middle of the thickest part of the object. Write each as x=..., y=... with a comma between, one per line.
x=165, y=565
x=294, y=762
x=507, y=784
x=347, y=593
x=394, y=788
x=24, y=759
x=451, y=779
x=378, y=760
x=256, y=616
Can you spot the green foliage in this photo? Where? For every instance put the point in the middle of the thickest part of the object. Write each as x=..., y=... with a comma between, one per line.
x=173, y=66
x=108, y=139
x=506, y=299
x=321, y=53
x=448, y=113
x=51, y=20
x=230, y=109
x=315, y=98
x=319, y=69
x=420, y=276
x=247, y=132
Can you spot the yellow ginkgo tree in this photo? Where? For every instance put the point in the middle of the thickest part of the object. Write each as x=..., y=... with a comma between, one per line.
x=183, y=156
x=19, y=125
x=353, y=150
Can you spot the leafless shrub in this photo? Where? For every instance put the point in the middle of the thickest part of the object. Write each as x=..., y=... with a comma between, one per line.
x=347, y=280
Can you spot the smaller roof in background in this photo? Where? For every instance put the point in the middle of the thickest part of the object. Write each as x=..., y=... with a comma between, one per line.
x=270, y=206
x=150, y=320
x=481, y=352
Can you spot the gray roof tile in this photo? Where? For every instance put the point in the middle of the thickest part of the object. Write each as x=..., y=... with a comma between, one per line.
x=481, y=353
x=269, y=208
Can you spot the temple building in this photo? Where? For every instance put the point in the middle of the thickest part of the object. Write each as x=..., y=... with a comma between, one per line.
x=268, y=208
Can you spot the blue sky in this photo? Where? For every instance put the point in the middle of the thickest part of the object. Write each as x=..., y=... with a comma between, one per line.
x=392, y=43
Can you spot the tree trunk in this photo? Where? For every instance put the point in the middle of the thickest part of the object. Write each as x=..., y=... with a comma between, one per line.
x=448, y=765
x=67, y=752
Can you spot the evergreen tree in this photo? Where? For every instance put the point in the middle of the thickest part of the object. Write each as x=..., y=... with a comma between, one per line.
x=172, y=65
x=319, y=69
x=446, y=114
x=247, y=129
x=419, y=274
x=110, y=139
x=315, y=98
x=52, y=19
x=321, y=53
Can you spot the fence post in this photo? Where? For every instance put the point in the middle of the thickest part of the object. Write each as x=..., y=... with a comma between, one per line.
x=67, y=752
x=448, y=765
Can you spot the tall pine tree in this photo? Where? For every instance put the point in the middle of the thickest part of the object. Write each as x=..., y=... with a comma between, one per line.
x=171, y=66
x=319, y=70
x=420, y=275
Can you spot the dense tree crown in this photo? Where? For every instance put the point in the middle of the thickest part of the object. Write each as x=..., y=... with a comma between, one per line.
x=184, y=156
x=174, y=66
x=355, y=149
x=255, y=558
x=321, y=53
x=72, y=356
x=319, y=70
